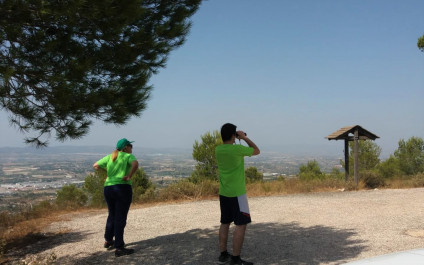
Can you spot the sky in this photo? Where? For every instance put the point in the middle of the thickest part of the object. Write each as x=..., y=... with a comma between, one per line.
x=288, y=73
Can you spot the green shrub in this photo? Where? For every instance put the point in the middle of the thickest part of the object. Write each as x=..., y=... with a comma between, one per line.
x=410, y=155
x=337, y=174
x=140, y=185
x=204, y=153
x=183, y=189
x=372, y=180
x=310, y=171
x=149, y=195
x=389, y=168
x=253, y=175
x=71, y=197
x=93, y=186
x=195, y=177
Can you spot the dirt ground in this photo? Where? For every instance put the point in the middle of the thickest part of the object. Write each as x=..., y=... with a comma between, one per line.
x=315, y=228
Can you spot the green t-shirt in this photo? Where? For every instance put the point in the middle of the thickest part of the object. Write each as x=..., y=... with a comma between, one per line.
x=230, y=160
x=117, y=169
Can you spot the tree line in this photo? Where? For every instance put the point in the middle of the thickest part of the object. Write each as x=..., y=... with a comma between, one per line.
x=406, y=161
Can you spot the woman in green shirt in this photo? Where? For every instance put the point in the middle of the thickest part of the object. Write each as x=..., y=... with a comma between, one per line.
x=120, y=166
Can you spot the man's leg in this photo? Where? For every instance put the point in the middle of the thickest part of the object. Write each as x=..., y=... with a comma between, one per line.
x=223, y=236
x=241, y=220
x=238, y=238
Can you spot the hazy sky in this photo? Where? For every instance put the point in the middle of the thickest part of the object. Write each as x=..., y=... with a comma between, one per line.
x=289, y=73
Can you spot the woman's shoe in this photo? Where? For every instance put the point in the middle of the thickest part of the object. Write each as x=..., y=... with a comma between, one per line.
x=123, y=251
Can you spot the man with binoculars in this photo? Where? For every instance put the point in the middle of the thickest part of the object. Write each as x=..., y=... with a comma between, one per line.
x=232, y=190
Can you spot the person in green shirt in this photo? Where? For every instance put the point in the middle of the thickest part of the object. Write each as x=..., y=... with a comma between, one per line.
x=120, y=166
x=232, y=191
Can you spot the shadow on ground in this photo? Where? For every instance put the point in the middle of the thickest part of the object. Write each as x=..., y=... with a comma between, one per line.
x=265, y=243
x=34, y=244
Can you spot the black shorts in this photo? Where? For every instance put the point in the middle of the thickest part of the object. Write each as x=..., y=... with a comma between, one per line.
x=230, y=210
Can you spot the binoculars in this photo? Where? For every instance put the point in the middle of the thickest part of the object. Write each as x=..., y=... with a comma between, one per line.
x=245, y=134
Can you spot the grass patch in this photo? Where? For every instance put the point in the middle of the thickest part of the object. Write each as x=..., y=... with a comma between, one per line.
x=292, y=186
x=416, y=181
x=186, y=190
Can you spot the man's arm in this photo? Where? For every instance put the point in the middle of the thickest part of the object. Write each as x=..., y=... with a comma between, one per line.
x=250, y=143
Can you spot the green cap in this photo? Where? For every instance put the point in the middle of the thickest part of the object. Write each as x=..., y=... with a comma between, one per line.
x=122, y=143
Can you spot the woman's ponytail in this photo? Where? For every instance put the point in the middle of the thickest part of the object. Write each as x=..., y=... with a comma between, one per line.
x=114, y=155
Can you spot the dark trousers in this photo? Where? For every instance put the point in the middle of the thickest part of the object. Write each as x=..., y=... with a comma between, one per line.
x=118, y=199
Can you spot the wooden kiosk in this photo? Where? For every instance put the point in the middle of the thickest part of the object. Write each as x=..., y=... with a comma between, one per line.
x=352, y=133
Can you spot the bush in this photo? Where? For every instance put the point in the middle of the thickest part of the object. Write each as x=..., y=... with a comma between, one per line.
x=195, y=177
x=372, y=180
x=140, y=185
x=184, y=189
x=337, y=174
x=149, y=195
x=253, y=175
x=410, y=155
x=71, y=197
x=93, y=186
x=204, y=153
x=389, y=168
x=310, y=171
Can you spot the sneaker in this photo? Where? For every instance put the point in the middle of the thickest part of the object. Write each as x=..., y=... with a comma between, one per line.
x=109, y=244
x=123, y=251
x=224, y=258
x=240, y=262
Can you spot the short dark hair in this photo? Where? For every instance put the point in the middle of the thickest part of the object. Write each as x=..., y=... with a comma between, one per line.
x=227, y=131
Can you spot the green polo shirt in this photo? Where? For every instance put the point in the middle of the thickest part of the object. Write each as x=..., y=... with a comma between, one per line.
x=117, y=169
x=230, y=160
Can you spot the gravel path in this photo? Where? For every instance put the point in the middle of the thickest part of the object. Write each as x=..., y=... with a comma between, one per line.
x=316, y=228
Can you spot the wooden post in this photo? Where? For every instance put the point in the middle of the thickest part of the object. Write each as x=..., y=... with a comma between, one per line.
x=355, y=151
x=346, y=149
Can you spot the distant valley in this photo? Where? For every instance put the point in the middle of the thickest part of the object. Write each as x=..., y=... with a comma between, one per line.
x=28, y=173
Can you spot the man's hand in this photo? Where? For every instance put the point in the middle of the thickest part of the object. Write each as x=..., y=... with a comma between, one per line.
x=241, y=135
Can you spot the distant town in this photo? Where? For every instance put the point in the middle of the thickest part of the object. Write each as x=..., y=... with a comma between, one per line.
x=28, y=175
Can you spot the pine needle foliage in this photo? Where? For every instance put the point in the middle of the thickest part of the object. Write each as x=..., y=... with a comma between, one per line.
x=65, y=63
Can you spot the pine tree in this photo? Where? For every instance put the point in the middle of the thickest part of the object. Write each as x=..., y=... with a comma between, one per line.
x=65, y=63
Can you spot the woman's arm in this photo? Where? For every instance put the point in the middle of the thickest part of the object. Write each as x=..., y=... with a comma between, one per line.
x=97, y=167
x=134, y=167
